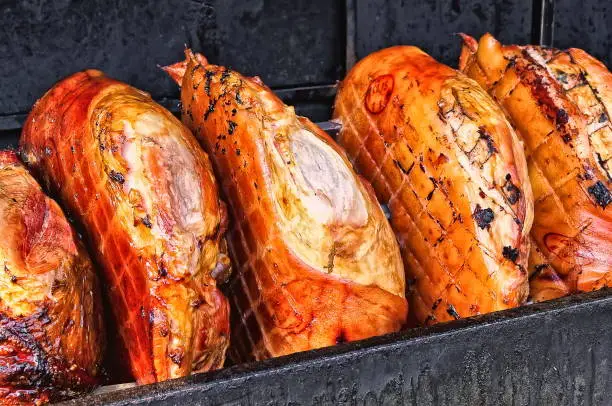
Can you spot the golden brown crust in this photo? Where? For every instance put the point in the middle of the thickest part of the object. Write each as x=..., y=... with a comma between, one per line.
x=560, y=103
x=136, y=180
x=51, y=331
x=440, y=153
x=317, y=260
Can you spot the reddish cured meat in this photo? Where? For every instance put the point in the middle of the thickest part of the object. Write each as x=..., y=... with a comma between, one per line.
x=317, y=261
x=51, y=331
x=136, y=180
x=560, y=102
x=440, y=152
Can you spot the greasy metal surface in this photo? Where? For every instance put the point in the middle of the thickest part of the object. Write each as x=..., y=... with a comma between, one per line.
x=584, y=24
x=553, y=353
x=287, y=43
x=432, y=24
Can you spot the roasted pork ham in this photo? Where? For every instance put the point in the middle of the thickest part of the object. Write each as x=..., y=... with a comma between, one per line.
x=51, y=331
x=317, y=262
x=441, y=154
x=560, y=103
x=140, y=186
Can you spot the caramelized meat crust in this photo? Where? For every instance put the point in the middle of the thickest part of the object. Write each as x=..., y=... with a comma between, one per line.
x=560, y=103
x=317, y=262
x=137, y=182
x=51, y=331
x=440, y=153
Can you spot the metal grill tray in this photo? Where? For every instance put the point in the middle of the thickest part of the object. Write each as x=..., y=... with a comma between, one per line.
x=552, y=353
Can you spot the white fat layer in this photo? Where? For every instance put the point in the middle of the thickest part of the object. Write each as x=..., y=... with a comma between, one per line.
x=329, y=189
x=152, y=138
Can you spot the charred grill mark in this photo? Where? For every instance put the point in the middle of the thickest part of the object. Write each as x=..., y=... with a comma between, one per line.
x=401, y=167
x=238, y=98
x=510, y=253
x=483, y=217
x=601, y=194
x=435, y=186
x=116, y=176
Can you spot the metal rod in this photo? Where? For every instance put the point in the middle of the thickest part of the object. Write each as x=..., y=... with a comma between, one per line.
x=543, y=22
x=351, y=34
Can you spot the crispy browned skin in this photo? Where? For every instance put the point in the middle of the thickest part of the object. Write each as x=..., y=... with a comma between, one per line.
x=135, y=178
x=51, y=331
x=560, y=103
x=317, y=261
x=440, y=153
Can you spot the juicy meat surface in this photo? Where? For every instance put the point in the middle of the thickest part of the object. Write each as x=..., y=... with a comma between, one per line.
x=51, y=331
x=440, y=153
x=317, y=262
x=560, y=103
x=142, y=189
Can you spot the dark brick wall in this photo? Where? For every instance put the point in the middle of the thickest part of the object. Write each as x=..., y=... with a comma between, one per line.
x=288, y=43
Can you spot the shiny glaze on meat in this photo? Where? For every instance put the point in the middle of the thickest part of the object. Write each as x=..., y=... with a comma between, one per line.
x=441, y=154
x=317, y=262
x=560, y=103
x=136, y=180
x=51, y=331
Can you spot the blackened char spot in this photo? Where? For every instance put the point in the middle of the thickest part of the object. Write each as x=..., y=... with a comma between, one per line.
x=116, y=176
x=146, y=221
x=436, y=303
x=562, y=77
x=488, y=139
x=510, y=253
x=231, y=127
x=163, y=272
x=483, y=217
x=209, y=74
x=452, y=311
x=211, y=108
x=226, y=74
x=341, y=338
x=562, y=117
x=514, y=193
x=176, y=357
x=603, y=118
x=600, y=193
